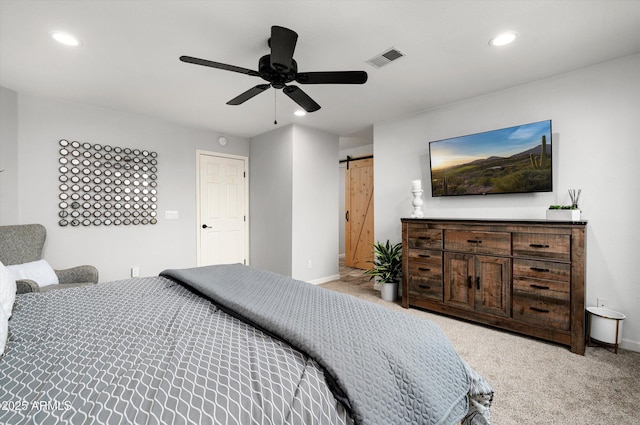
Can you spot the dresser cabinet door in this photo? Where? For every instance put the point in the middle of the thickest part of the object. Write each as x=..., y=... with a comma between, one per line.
x=458, y=280
x=491, y=284
x=477, y=282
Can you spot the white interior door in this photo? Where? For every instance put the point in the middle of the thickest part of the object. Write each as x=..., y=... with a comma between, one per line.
x=223, y=206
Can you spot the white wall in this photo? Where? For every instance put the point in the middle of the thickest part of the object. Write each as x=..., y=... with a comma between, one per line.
x=596, y=123
x=8, y=155
x=32, y=127
x=270, y=200
x=315, y=201
x=113, y=250
x=294, y=175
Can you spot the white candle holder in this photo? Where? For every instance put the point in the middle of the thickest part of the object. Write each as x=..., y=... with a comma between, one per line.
x=417, y=204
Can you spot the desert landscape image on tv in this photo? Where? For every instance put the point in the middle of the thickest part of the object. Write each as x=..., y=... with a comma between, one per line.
x=510, y=160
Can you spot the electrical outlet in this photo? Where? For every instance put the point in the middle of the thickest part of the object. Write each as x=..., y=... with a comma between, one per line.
x=135, y=271
x=309, y=264
x=603, y=302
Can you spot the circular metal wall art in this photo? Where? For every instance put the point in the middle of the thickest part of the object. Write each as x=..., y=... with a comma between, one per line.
x=89, y=168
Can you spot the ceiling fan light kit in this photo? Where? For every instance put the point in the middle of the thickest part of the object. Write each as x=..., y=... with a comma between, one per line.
x=279, y=69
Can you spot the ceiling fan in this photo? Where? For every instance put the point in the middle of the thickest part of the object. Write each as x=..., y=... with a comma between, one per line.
x=279, y=69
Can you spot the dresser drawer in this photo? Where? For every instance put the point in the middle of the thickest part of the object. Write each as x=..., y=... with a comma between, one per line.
x=431, y=268
x=424, y=256
x=425, y=286
x=425, y=277
x=544, y=270
x=421, y=238
x=496, y=243
x=542, y=288
x=557, y=247
x=541, y=311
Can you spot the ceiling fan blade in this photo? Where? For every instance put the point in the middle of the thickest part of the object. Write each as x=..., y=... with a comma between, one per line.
x=219, y=65
x=283, y=43
x=301, y=98
x=254, y=91
x=332, y=77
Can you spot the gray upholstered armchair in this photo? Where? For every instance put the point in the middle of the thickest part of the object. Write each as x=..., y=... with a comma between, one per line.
x=24, y=243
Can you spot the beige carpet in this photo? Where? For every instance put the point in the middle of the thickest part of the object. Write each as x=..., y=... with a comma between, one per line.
x=534, y=382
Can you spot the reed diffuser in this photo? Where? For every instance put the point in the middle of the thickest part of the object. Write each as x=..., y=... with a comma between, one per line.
x=574, y=194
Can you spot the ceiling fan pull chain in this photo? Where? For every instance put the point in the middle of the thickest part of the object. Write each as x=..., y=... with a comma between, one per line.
x=275, y=121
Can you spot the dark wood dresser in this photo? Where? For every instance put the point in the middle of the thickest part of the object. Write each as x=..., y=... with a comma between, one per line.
x=526, y=276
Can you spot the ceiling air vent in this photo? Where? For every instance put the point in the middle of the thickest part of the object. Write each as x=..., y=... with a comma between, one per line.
x=386, y=57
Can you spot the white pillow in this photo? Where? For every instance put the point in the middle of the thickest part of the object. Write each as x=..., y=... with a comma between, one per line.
x=4, y=330
x=7, y=291
x=39, y=271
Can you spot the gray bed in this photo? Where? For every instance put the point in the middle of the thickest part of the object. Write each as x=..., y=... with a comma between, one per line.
x=228, y=345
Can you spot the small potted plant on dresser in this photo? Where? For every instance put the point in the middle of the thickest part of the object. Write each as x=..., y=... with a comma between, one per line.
x=387, y=266
x=566, y=212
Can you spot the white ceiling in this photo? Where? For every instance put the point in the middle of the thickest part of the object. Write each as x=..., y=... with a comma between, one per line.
x=128, y=59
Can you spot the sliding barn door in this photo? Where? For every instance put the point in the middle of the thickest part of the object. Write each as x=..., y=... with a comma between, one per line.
x=359, y=215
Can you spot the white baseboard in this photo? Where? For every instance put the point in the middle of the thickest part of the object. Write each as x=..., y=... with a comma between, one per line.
x=627, y=344
x=326, y=279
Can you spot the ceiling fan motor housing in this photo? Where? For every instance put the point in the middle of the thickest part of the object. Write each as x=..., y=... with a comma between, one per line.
x=277, y=78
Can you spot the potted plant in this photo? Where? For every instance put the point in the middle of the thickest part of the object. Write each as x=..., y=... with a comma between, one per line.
x=566, y=212
x=387, y=267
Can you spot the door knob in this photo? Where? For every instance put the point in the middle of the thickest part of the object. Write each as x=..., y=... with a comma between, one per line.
x=204, y=226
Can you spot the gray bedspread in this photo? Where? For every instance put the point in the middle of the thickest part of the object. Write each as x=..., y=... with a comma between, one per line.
x=151, y=351
x=386, y=367
x=155, y=351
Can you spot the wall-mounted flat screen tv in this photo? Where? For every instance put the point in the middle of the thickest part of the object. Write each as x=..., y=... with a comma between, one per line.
x=509, y=160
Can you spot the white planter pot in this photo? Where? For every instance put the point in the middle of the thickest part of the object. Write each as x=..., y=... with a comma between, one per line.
x=605, y=324
x=563, y=215
x=389, y=291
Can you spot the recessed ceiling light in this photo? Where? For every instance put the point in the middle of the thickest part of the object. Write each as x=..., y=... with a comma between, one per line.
x=503, y=39
x=65, y=38
x=300, y=113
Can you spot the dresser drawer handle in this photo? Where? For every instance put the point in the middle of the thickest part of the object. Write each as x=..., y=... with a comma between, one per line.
x=538, y=245
x=424, y=269
x=539, y=286
x=424, y=286
x=538, y=269
x=476, y=241
x=424, y=238
x=424, y=256
x=539, y=310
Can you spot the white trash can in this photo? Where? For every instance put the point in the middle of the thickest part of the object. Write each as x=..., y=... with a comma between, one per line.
x=605, y=326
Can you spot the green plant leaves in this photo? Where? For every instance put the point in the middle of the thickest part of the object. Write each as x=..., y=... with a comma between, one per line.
x=387, y=264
